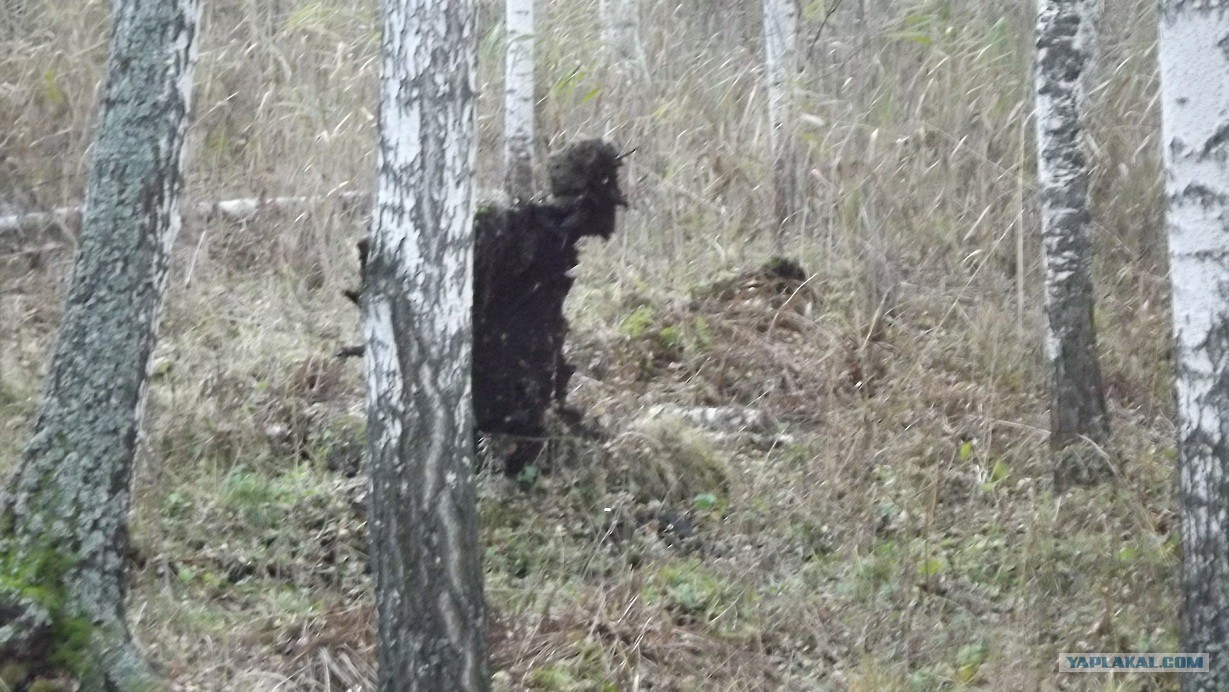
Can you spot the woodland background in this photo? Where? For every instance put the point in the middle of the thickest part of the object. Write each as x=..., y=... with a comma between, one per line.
x=905, y=537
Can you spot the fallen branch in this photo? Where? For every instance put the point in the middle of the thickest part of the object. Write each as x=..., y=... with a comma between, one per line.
x=242, y=209
x=15, y=223
x=234, y=210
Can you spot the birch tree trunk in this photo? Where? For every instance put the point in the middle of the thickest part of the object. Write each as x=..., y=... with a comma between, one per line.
x=519, y=100
x=417, y=323
x=621, y=31
x=781, y=66
x=64, y=517
x=1195, y=120
x=1066, y=36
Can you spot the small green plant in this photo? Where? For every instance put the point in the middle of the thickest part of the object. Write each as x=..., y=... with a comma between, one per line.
x=874, y=572
x=176, y=505
x=701, y=333
x=186, y=575
x=925, y=679
x=554, y=677
x=693, y=590
x=998, y=473
x=671, y=337
x=969, y=660
x=51, y=88
x=639, y=322
x=263, y=500
x=932, y=567
x=255, y=498
x=528, y=476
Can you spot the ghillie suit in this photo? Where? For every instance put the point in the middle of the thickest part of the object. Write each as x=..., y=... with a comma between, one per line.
x=523, y=259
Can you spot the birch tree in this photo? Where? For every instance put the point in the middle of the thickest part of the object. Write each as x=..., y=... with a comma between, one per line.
x=1195, y=120
x=781, y=66
x=418, y=328
x=1065, y=46
x=519, y=100
x=64, y=515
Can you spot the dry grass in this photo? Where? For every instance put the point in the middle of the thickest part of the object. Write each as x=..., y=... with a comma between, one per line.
x=907, y=539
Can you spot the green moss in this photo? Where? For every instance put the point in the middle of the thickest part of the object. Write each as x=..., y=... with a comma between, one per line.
x=33, y=573
x=34, y=578
x=71, y=637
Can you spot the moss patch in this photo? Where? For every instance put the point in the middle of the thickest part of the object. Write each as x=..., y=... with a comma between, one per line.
x=42, y=634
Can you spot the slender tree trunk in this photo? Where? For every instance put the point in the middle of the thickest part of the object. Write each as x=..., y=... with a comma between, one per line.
x=621, y=31
x=519, y=100
x=417, y=323
x=1194, y=93
x=1065, y=46
x=781, y=63
x=64, y=518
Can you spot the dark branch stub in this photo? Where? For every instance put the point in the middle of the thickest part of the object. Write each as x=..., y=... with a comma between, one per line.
x=523, y=258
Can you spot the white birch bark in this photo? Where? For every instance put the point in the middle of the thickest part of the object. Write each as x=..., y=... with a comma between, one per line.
x=1065, y=51
x=519, y=100
x=1195, y=142
x=64, y=514
x=418, y=328
x=781, y=67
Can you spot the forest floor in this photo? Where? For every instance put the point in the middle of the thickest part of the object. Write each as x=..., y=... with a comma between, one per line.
x=874, y=513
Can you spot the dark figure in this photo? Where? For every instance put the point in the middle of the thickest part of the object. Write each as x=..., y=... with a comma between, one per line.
x=523, y=261
x=523, y=258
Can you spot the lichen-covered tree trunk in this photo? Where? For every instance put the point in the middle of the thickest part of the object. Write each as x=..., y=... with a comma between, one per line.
x=1065, y=46
x=416, y=314
x=781, y=65
x=519, y=100
x=1194, y=95
x=63, y=518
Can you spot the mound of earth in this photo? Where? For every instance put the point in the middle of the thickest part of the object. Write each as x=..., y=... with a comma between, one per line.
x=760, y=339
